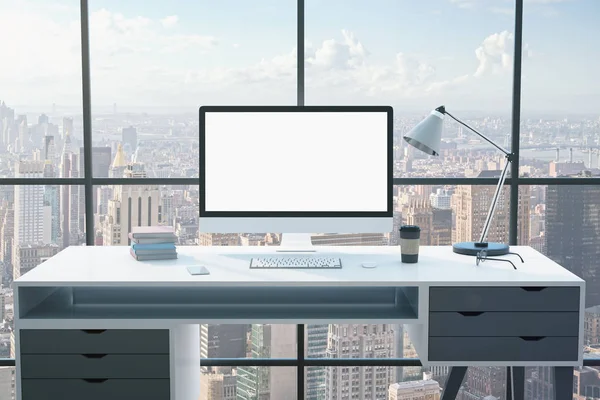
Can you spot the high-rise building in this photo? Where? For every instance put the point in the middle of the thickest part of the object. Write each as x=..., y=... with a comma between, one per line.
x=440, y=199
x=471, y=205
x=415, y=390
x=265, y=383
x=29, y=256
x=586, y=384
x=101, y=161
x=539, y=384
x=31, y=226
x=349, y=239
x=483, y=381
x=117, y=168
x=219, y=239
x=130, y=138
x=360, y=341
x=52, y=202
x=573, y=233
x=315, y=343
x=435, y=224
x=219, y=384
x=131, y=205
x=223, y=340
x=67, y=127
x=71, y=209
x=591, y=333
x=7, y=383
x=7, y=234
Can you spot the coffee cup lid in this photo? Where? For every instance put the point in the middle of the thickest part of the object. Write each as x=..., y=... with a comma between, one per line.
x=410, y=228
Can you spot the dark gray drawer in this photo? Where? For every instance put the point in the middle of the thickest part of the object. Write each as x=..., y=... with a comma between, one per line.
x=491, y=323
x=503, y=349
x=124, y=366
x=502, y=298
x=79, y=389
x=111, y=341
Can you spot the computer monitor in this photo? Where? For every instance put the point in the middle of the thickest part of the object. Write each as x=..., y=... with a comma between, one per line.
x=309, y=169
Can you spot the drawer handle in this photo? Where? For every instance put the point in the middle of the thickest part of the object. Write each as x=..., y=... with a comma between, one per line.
x=470, y=313
x=95, y=380
x=532, y=338
x=94, y=355
x=94, y=331
x=533, y=288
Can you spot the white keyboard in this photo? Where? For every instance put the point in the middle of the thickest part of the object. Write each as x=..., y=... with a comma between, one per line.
x=293, y=262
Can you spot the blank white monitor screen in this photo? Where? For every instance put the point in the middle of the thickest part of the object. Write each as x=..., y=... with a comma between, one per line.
x=296, y=162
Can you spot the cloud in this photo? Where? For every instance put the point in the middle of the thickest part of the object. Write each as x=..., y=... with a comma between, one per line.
x=503, y=10
x=113, y=34
x=495, y=54
x=170, y=21
x=464, y=3
x=335, y=54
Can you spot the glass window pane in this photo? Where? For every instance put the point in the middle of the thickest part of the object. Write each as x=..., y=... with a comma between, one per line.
x=36, y=222
x=153, y=63
x=248, y=383
x=560, y=90
x=383, y=52
x=40, y=77
x=565, y=225
x=7, y=382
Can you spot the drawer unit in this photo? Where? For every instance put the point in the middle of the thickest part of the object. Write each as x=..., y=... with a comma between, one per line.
x=501, y=298
x=503, y=349
x=486, y=323
x=95, y=389
x=111, y=341
x=504, y=324
x=112, y=366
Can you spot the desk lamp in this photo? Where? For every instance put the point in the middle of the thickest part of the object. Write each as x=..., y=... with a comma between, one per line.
x=427, y=136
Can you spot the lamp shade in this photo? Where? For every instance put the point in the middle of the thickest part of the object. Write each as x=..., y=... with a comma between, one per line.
x=427, y=134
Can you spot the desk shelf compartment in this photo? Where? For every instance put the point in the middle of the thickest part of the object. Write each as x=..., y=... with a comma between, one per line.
x=220, y=302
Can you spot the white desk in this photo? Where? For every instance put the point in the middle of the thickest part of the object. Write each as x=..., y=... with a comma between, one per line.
x=90, y=300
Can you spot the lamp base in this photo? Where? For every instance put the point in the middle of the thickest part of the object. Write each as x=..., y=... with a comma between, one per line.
x=473, y=248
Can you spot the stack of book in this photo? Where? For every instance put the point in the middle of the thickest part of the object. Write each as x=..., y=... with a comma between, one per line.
x=153, y=243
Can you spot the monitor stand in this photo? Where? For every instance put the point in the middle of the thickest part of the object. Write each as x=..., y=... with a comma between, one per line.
x=296, y=243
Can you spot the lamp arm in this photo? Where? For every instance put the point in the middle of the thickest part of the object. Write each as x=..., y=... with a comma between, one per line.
x=481, y=135
x=499, y=187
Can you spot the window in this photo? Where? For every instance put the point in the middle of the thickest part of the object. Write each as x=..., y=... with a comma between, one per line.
x=559, y=114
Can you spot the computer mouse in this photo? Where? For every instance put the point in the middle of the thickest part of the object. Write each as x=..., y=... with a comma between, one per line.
x=369, y=265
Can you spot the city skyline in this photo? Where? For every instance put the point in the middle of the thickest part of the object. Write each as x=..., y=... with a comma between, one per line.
x=182, y=55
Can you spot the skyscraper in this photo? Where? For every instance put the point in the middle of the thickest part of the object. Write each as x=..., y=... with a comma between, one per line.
x=316, y=347
x=266, y=383
x=29, y=205
x=223, y=340
x=130, y=138
x=360, y=341
x=573, y=233
x=101, y=161
x=471, y=204
x=131, y=205
x=415, y=390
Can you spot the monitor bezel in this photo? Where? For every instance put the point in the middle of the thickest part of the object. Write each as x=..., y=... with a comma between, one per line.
x=296, y=214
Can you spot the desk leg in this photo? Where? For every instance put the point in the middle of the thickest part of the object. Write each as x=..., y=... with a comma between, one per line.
x=515, y=383
x=185, y=362
x=563, y=383
x=453, y=382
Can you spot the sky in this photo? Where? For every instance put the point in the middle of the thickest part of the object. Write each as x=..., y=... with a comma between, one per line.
x=414, y=55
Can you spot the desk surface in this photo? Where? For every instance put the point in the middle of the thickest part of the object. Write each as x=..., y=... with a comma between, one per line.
x=229, y=266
